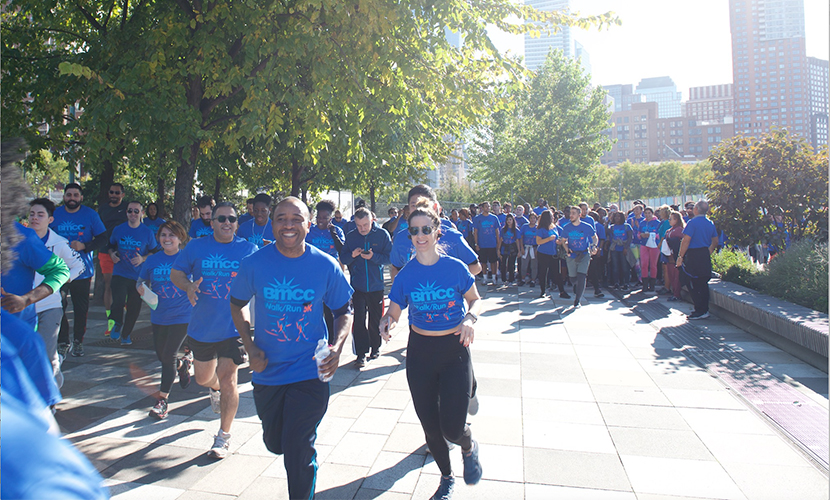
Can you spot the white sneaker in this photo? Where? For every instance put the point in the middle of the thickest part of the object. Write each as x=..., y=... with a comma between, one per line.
x=221, y=444
x=215, y=399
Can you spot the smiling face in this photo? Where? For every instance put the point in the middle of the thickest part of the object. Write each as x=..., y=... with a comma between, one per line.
x=224, y=231
x=206, y=213
x=290, y=224
x=134, y=214
x=72, y=199
x=423, y=242
x=116, y=194
x=260, y=213
x=170, y=243
x=39, y=219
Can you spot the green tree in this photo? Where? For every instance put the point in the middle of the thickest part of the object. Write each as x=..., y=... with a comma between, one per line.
x=546, y=145
x=760, y=186
x=641, y=180
x=45, y=173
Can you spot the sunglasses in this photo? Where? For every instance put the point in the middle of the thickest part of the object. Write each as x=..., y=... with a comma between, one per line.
x=223, y=218
x=426, y=230
x=133, y=211
x=115, y=192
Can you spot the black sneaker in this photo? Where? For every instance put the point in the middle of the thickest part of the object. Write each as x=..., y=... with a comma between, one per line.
x=63, y=350
x=625, y=288
x=599, y=294
x=696, y=315
x=472, y=466
x=374, y=355
x=360, y=362
x=184, y=371
x=160, y=410
x=444, y=491
x=564, y=295
x=77, y=349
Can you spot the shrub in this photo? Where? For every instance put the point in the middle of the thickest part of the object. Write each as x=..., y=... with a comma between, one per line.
x=734, y=266
x=798, y=275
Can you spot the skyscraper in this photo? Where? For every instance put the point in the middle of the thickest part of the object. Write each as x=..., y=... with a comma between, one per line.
x=713, y=103
x=663, y=91
x=769, y=66
x=536, y=49
x=818, y=88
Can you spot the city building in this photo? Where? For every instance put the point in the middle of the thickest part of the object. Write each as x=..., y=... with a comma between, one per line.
x=537, y=48
x=769, y=66
x=818, y=74
x=713, y=103
x=643, y=137
x=663, y=91
x=623, y=96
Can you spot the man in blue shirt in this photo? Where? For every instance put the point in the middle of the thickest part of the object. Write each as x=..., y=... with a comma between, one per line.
x=249, y=212
x=581, y=241
x=258, y=230
x=292, y=281
x=700, y=239
x=487, y=235
x=213, y=263
x=83, y=229
x=203, y=226
x=365, y=252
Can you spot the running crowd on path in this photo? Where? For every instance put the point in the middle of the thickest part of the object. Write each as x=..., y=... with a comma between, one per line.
x=269, y=288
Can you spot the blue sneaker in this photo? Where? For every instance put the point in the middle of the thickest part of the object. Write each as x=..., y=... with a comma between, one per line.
x=472, y=467
x=444, y=491
x=126, y=341
x=115, y=332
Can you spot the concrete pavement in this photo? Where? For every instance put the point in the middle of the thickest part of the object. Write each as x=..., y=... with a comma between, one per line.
x=593, y=403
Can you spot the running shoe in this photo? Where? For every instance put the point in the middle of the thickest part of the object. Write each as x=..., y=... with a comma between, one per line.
x=110, y=324
x=184, y=371
x=360, y=362
x=115, y=331
x=215, y=398
x=564, y=295
x=532, y=284
x=126, y=341
x=472, y=409
x=160, y=410
x=672, y=299
x=221, y=444
x=63, y=350
x=375, y=354
x=472, y=466
x=444, y=491
x=77, y=349
x=696, y=315
x=599, y=295
x=625, y=288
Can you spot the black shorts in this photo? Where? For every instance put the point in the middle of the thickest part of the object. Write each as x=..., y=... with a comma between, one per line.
x=487, y=255
x=231, y=348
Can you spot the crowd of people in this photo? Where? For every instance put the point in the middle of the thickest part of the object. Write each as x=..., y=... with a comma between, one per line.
x=270, y=288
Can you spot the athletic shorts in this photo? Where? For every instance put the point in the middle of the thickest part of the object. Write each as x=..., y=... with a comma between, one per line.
x=231, y=348
x=578, y=264
x=487, y=255
x=106, y=262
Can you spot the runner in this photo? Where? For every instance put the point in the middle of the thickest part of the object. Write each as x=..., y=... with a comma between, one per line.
x=112, y=214
x=439, y=289
x=621, y=235
x=635, y=219
x=82, y=227
x=546, y=241
x=292, y=280
x=486, y=230
x=508, y=248
x=203, y=226
x=249, y=212
x=674, y=236
x=365, y=252
x=171, y=316
x=389, y=226
x=541, y=206
x=325, y=234
x=49, y=311
x=213, y=262
x=338, y=219
x=581, y=240
x=153, y=221
x=130, y=245
x=258, y=230
x=527, y=250
x=597, y=260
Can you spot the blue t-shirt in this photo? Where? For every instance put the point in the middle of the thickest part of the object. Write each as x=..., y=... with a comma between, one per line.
x=342, y=224
x=701, y=230
x=465, y=227
x=548, y=248
x=321, y=239
x=619, y=232
x=83, y=226
x=153, y=224
x=452, y=243
x=509, y=236
x=174, y=307
x=30, y=378
x=244, y=218
x=198, y=229
x=131, y=242
x=539, y=210
x=290, y=294
x=528, y=234
x=250, y=231
x=579, y=237
x=436, y=293
x=32, y=254
x=651, y=226
x=487, y=227
x=217, y=264
x=635, y=223
x=502, y=216
x=521, y=221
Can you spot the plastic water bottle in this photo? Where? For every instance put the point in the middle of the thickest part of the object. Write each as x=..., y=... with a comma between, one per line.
x=320, y=354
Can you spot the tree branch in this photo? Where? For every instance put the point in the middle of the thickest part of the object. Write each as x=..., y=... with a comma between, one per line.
x=109, y=14
x=185, y=6
x=219, y=120
x=124, y=13
x=209, y=105
x=89, y=17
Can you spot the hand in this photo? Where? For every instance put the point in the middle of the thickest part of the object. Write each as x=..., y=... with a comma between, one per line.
x=466, y=332
x=13, y=303
x=140, y=288
x=256, y=357
x=679, y=261
x=386, y=325
x=356, y=252
x=192, y=290
x=137, y=260
x=498, y=254
x=594, y=250
x=265, y=243
x=115, y=258
x=330, y=364
x=367, y=256
x=77, y=246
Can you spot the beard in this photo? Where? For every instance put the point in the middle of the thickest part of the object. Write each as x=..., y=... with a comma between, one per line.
x=72, y=204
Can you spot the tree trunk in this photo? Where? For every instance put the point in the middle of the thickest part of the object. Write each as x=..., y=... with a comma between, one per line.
x=217, y=189
x=107, y=178
x=296, y=177
x=372, y=196
x=183, y=194
x=160, y=187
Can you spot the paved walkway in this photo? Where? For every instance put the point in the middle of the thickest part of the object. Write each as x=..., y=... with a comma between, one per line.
x=593, y=403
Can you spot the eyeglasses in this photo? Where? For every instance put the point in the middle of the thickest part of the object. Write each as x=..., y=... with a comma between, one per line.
x=426, y=230
x=115, y=192
x=222, y=218
x=133, y=210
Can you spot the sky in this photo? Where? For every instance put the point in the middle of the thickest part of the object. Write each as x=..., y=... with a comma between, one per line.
x=686, y=40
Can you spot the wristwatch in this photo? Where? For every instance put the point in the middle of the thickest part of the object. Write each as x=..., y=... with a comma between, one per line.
x=473, y=315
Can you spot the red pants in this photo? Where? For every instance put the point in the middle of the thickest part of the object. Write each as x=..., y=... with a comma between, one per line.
x=674, y=277
x=648, y=261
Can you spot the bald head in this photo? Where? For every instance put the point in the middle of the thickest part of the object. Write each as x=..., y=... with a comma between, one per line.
x=701, y=208
x=293, y=200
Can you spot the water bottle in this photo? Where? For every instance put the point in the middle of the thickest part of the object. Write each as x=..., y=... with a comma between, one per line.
x=320, y=354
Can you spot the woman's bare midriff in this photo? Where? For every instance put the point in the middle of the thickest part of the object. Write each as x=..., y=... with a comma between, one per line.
x=430, y=333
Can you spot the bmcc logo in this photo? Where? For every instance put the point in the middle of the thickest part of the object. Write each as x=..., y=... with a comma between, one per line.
x=163, y=270
x=129, y=241
x=69, y=227
x=288, y=292
x=429, y=292
x=218, y=261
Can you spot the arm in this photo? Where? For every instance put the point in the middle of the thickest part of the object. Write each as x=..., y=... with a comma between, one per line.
x=343, y=318
x=714, y=245
x=382, y=256
x=191, y=287
x=242, y=321
x=71, y=258
x=684, y=246
x=347, y=254
x=390, y=320
x=55, y=273
x=475, y=267
x=466, y=332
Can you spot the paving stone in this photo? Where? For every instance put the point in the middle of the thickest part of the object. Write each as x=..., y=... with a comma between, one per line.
x=667, y=443
x=636, y=395
x=502, y=463
x=104, y=451
x=357, y=449
x=485, y=490
x=751, y=449
x=771, y=482
x=168, y=466
x=497, y=430
x=76, y=417
x=485, y=346
x=546, y=492
x=370, y=494
x=204, y=495
x=376, y=421
x=233, y=474
x=397, y=472
x=491, y=370
x=137, y=491
x=649, y=417
x=557, y=390
x=406, y=438
x=546, y=348
x=198, y=434
x=332, y=429
x=618, y=377
x=565, y=436
x=694, y=398
x=498, y=387
x=575, y=468
x=717, y=420
x=347, y=406
x=134, y=425
x=696, y=478
x=339, y=481
x=554, y=411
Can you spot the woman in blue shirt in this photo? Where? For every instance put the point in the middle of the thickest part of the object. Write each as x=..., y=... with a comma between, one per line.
x=620, y=235
x=649, y=249
x=437, y=289
x=527, y=249
x=171, y=315
x=508, y=249
x=546, y=236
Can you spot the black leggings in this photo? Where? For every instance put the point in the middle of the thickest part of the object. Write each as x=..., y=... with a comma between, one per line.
x=509, y=253
x=168, y=340
x=123, y=290
x=79, y=290
x=439, y=368
x=549, y=269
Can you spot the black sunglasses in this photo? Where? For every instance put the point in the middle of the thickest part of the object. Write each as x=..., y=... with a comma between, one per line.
x=133, y=210
x=426, y=230
x=223, y=218
x=115, y=192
